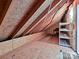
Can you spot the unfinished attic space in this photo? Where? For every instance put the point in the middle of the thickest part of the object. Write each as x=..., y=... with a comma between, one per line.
x=39, y=29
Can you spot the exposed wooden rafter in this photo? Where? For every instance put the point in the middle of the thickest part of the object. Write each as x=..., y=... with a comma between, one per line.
x=34, y=17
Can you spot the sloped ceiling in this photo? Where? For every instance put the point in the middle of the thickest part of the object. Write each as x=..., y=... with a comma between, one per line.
x=16, y=16
x=4, y=4
x=22, y=15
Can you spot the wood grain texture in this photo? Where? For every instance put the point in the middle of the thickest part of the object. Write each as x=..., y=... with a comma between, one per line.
x=10, y=45
x=37, y=50
x=40, y=12
x=4, y=5
x=44, y=21
x=59, y=15
x=41, y=15
x=56, y=19
x=13, y=16
x=25, y=20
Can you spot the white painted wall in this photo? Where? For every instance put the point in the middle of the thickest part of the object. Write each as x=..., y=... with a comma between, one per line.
x=78, y=29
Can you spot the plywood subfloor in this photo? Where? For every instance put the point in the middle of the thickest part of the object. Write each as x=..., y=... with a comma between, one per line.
x=35, y=50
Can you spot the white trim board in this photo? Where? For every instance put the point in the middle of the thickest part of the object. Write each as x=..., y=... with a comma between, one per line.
x=78, y=29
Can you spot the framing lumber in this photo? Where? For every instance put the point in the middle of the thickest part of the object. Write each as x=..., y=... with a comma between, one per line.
x=14, y=16
x=46, y=17
x=33, y=18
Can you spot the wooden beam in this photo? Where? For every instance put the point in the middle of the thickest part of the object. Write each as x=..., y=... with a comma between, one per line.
x=58, y=16
x=14, y=15
x=34, y=17
x=26, y=17
x=42, y=15
x=4, y=5
x=45, y=20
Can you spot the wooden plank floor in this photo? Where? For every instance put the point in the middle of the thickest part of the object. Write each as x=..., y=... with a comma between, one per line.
x=9, y=45
x=35, y=50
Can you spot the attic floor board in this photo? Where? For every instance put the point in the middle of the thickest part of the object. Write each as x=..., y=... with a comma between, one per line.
x=10, y=45
x=35, y=50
